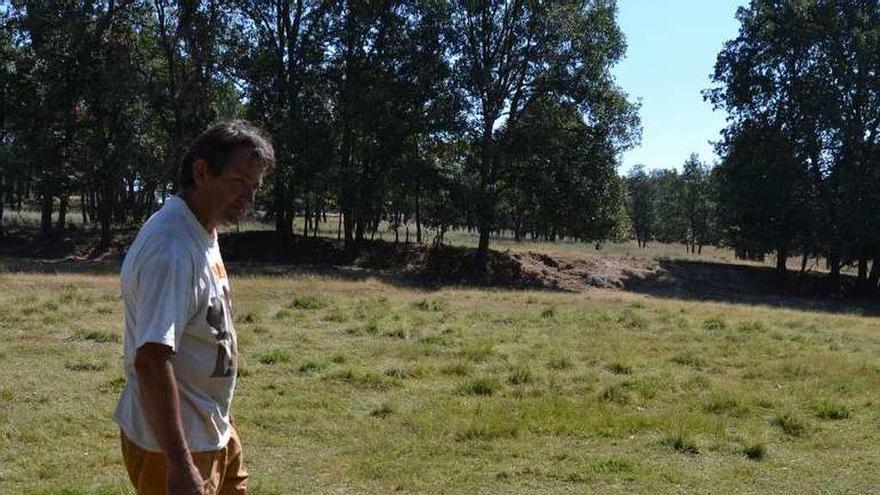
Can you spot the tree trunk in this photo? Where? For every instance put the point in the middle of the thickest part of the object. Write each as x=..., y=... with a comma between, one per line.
x=307, y=220
x=804, y=259
x=2, y=203
x=482, y=257
x=283, y=224
x=316, y=219
x=418, y=218
x=46, y=213
x=82, y=206
x=105, y=214
x=862, y=282
x=62, y=213
x=781, y=257
x=874, y=276
x=834, y=269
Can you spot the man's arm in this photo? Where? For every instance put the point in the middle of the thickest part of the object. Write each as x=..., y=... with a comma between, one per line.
x=161, y=402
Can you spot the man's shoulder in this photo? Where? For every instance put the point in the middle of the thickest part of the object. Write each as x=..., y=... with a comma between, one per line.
x=159, y=243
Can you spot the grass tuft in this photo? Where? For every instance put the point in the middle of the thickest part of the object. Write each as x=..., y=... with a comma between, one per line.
x=619, y=369
x=310, y=367
x=249, y=318
x=487, y=432
x=681, y=442
x=478, y=386
x=456, y=369
x=402, y=372
x=789, y=423
x=273, y=356
x=755, y=452
x=832, y=411
x=309, y=302
x=617, y=393
x=520, y=375
x=382, y=411
x=97, y=336
x=688, y=358
x=715, y=324
x=430, y=305
x=726, y=405
x=559, y=363
x=631, y=320
x=87, y=366
x=478, y=353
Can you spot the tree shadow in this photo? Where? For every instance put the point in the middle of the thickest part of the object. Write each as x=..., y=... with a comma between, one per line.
x=420, y=267
x=752, y=285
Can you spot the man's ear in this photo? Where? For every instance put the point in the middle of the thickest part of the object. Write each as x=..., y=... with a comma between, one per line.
x=200, y=171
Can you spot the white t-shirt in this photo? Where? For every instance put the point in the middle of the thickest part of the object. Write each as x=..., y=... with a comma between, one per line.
x=175, y=292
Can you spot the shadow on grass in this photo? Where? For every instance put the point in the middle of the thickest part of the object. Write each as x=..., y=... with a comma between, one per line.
x=266, y=253
x=753, y=285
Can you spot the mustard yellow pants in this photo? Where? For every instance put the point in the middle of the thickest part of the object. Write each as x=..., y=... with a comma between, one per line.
x=223, y=470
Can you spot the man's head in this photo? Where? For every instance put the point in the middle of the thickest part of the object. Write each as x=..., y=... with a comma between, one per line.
x=223, y=169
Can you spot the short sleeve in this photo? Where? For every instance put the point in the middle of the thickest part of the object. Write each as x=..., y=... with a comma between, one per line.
x=165, y=299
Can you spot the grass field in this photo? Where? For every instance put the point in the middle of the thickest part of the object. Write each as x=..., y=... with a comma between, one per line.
x=365, y=387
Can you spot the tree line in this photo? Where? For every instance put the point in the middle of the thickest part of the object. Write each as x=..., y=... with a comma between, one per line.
x=798, y=172
x=668, y=206
x=489, y=116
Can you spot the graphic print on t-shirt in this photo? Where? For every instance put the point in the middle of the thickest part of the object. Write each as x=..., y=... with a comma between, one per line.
x=216, y=316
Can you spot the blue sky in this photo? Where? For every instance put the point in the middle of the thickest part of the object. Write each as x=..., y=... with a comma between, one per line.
x=671, y=51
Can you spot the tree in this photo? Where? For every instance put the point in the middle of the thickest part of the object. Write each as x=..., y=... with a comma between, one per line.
x=510, y=53
x=560, y=180
x=806, y=74
x=697, y=203
x=640, y=196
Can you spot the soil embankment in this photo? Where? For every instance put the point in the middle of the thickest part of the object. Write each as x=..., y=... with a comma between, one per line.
x=430, y=266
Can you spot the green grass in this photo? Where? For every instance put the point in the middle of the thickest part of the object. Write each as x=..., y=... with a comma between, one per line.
x=363, y=387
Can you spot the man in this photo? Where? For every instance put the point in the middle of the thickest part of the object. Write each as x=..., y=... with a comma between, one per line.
x=181, y=350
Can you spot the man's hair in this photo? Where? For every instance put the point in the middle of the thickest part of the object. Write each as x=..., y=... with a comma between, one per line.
x=216, y=146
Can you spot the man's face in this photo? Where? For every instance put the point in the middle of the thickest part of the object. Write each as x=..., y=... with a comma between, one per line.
x=231, y=193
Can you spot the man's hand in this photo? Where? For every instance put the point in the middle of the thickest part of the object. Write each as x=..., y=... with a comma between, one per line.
x=185, y=480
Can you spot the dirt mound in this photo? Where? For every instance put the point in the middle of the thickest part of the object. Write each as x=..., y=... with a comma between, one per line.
x=580, y=273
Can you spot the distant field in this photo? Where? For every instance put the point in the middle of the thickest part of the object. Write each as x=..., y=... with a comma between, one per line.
x=364, y=387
